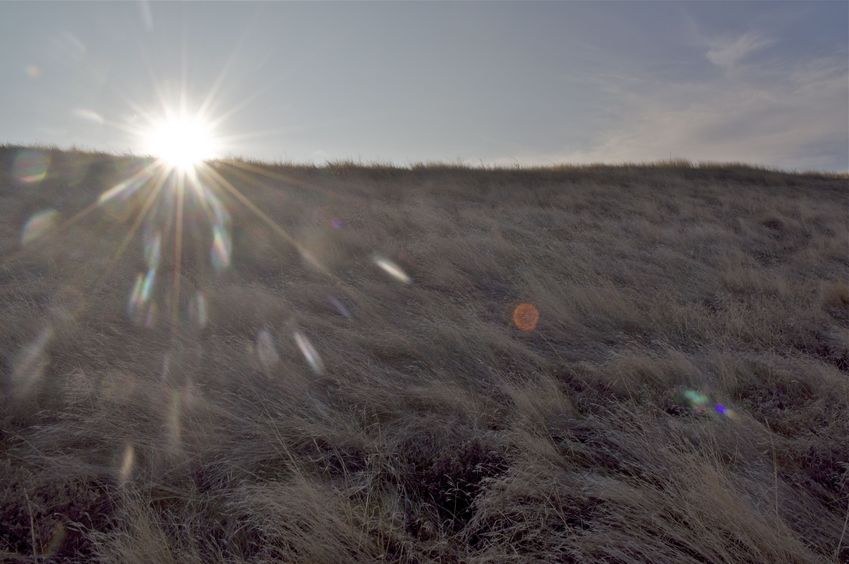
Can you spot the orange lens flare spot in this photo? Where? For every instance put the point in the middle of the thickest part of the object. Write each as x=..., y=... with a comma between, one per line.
x=526, y=317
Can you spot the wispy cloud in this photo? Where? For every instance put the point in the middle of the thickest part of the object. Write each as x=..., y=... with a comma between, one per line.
x=797, y=121
x=67, y=47
x=89, y=115
x=727, y=53
x=146, y=14
x=786, y=114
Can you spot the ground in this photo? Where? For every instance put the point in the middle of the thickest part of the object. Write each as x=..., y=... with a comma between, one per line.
x=356, y=363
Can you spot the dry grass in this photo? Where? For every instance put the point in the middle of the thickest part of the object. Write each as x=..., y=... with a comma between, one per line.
x=437, y=431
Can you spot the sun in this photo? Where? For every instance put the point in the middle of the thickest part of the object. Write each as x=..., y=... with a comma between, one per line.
x=181, y=141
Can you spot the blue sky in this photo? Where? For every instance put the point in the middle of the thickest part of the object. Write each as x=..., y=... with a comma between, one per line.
x=492, y=83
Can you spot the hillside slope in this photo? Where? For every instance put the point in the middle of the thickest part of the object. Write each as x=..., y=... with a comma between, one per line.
x=617, y=364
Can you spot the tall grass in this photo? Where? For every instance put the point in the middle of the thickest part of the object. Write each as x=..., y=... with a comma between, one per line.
x=434, y=429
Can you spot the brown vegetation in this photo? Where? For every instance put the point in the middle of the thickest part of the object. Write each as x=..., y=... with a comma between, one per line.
x=434, y=429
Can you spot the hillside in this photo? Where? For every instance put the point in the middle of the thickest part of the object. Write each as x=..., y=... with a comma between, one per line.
x=354, y=363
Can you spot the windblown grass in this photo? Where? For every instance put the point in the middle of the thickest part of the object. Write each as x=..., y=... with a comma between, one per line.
x=437, y=430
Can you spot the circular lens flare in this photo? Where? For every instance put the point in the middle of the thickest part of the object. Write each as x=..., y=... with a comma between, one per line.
x=526, y=317
x=181, y=141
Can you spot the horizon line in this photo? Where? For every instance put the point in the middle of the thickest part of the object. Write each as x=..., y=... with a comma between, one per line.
x=672, y=162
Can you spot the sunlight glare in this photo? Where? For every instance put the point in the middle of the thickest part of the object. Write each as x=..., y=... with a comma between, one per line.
x=181, y=141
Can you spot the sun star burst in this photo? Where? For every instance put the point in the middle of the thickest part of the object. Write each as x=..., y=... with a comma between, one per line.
x=181, y=141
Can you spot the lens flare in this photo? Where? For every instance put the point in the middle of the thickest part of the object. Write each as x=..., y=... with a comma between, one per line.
x=700, y=403
x=697, y=399
x=31, y=363
x=124, y=189
x=152, y=249
x=309, y=352
x=222, y=248
x=265, y=350
x=147, y=285
x=38, y=225
x=197, y=310
x=221, y=252
x=167, y=197
x=140, y=309
x=392, y=269
x=150, y=316
x=128, y=459
x=339, y=307
x=723, y=410
x=181, y=141
x=162, y=201
x=526, y=317
x=30, y=167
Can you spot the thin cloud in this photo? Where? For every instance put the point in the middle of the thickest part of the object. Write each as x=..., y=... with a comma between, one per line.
x=89, y=115
x=791, y=116
x=727, y=53
x=67, y=47
x=146, y=14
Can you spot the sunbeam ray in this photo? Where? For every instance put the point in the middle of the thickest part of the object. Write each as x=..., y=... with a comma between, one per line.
x=178, y=251
x=273, y=225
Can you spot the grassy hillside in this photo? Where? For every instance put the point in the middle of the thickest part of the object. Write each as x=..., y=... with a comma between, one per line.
x=331, y=364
